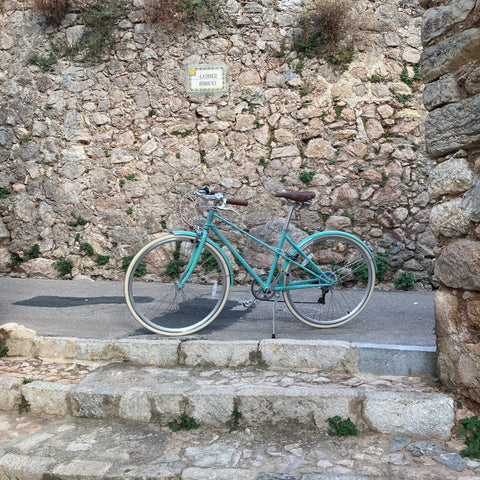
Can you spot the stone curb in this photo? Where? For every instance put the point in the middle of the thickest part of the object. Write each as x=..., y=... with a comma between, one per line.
x=331, y=356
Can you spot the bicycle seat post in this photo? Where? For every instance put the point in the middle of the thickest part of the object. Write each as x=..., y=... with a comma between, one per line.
x=289, y=216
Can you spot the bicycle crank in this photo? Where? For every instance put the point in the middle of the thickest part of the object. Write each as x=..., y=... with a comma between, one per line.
x=258, y=291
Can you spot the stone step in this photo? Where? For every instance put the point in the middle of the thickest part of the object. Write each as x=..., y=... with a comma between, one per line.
x=396, y=405
x=328, y=356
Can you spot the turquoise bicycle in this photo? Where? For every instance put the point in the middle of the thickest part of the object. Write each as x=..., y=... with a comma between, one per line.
x=179, y=283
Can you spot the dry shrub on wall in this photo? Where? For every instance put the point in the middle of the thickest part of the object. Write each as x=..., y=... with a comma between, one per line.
x=162, y=12
x=324, y=27
x=52, y=9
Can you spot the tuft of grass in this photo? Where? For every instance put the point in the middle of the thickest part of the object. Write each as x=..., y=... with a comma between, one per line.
x=3, y=351
x=184, y=422
x=234, y=422
x=341, y=428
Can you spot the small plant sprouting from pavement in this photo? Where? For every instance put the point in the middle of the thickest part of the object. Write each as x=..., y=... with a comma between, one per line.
x=26, y=380
x=3, y=351
x=184, y=422
x=471, y=429
x=341, y=428
x=234, y=421
x=24, y=405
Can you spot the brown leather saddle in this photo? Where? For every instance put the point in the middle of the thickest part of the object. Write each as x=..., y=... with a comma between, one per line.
x=299, y=197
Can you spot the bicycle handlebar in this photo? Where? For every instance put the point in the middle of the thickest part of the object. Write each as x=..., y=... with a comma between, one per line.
x=230, y=201
x=237, y=201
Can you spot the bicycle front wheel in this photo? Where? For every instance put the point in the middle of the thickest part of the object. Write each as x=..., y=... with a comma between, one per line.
x=347, y=264
x=155, y=296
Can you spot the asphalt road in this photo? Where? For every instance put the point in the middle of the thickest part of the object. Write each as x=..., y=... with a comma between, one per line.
x=88, y=309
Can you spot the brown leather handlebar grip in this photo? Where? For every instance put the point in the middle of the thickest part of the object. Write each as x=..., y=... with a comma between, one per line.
x=237, y=201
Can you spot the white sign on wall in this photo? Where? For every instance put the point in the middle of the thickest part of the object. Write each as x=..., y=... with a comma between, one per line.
x=207, y=79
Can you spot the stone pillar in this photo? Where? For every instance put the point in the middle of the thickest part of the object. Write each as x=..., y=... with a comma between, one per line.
x=451, y=71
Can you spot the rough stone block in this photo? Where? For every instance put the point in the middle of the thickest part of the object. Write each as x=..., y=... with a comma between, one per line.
x=446, y=56
x=219, y=354
x=458, y=265
x=56, y=347
x=88, y=469
x=47, y=398
x=168, y=406
x=212, y=408
x=444, y=90
x=10, y=393
x=135, y=405
x=24, y=467
x=438, y=20
x=95, y=401
x=162, y=353
x=18, y=339
x=423, y=415
x=326, y=356
x=302, y=405
x=94, y=350
x=451, y=218
x=451, y=178
x=454, y=126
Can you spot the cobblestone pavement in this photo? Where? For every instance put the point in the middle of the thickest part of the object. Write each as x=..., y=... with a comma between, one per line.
x=122, y=449
x=32, y=369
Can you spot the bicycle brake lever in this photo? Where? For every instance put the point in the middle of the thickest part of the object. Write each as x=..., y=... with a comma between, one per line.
x=228, y=209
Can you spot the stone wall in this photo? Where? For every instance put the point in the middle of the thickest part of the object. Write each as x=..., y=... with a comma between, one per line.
x=451, y=68
x=118, y=142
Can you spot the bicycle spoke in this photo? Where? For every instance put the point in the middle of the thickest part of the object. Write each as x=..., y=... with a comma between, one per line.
x=345, y=263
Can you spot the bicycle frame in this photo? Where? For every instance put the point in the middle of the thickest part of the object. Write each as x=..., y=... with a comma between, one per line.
x=319, y=277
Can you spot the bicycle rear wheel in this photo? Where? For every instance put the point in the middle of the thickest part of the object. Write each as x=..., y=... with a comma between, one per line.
x=348, y=264
x=154, y=297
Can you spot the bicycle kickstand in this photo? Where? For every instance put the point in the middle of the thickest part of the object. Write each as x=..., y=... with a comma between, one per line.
x=277, y=295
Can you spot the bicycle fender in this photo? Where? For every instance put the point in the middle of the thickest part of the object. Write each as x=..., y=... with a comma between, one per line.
x=212, y=244
x=335, y=232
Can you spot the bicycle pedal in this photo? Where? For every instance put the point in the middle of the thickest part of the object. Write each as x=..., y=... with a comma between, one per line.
x=249, y=303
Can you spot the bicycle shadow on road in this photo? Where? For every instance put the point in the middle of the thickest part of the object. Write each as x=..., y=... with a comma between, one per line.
x=55, y=301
